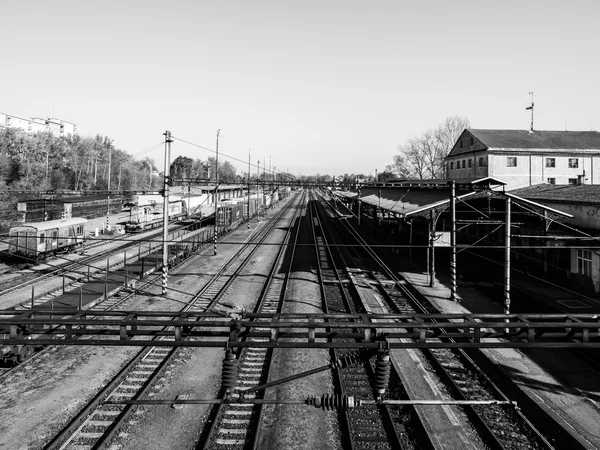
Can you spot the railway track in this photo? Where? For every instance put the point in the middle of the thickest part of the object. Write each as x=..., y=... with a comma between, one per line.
x=70, y=267
x=99, y=421
x=235, y=426
x=371, y=426
x=464, y=378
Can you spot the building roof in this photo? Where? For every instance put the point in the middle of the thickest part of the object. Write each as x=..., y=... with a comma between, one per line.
x=75, y=199
x=410, y=201
x=51, y=224
x=403, y=201
x=515, y=140
x=583, y=193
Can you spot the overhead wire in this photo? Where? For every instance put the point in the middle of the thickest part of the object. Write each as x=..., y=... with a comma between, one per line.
x=233, y=158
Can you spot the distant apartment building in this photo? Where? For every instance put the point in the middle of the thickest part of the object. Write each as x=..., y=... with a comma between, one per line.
x=33, y=125
x=524, y=158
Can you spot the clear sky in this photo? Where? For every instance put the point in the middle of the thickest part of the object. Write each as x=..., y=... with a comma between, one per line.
x=320, y=86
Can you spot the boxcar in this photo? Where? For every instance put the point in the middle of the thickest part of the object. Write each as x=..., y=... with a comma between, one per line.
x=36, y=240
x=54, y=208
x=150, y=216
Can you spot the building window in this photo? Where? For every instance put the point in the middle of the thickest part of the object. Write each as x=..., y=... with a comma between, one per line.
x=471, y=142
x=470, y=162
x=481, y=161
x=460, y=143
x=551, y=180
x=463, y=164
x=550, y=162
x=572, y=180
x=451, y=165
x=584, y=262
x=573, y=163
x=511, y=161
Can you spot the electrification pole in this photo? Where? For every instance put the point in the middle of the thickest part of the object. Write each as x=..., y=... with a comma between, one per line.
x=248, y=223
x=453, y=241
x=165, y=261
x=108, y=196
x=257, y=202
x=507, y=237
x=216, y=193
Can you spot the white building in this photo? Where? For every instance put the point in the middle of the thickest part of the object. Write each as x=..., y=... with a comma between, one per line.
x=524, y=158
x=38, y=125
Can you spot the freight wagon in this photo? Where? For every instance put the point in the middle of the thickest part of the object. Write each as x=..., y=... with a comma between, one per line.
x=54, y=208
x=149, y=216
x=38, y=240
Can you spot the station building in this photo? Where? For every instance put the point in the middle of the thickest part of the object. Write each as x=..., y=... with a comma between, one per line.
x=524, y=158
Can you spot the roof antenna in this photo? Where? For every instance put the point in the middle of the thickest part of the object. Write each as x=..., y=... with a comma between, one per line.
x=530, y=107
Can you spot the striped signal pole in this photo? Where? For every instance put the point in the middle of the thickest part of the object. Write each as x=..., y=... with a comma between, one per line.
x=165, y=261
x=216, y=194
x=453, y=296
x=108, y=195
x=248, y=223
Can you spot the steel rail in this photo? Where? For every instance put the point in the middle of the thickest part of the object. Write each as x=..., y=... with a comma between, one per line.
x=72, y=266
x=100, y=440
x=381, y=424
x=223, y=432
x=533, y=423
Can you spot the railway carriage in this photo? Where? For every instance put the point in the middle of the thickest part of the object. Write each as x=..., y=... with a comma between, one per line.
x=38, y=240
x=145, y=217
x=54, y=208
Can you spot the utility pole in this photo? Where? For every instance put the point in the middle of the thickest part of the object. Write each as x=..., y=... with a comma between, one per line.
x=507, y=259
x=120, y=169
x=248, y=223
x=358, y=200
x=108, y=196
x=216, y=193
x=452, y=241
x=165, y=261
x=257, y=202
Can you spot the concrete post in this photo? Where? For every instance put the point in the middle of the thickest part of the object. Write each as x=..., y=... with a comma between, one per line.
x=452, y=241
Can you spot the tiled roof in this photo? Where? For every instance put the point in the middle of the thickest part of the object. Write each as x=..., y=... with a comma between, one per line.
x=584, y=193
x=526, y=140
x=538, y=139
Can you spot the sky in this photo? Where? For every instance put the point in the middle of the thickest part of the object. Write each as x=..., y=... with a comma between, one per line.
x=315, y=86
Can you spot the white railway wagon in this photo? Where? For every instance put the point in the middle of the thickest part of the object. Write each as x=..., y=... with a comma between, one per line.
x=36, y=240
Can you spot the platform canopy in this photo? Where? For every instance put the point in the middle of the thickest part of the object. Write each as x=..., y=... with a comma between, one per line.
x=408, y=201
x=403, y=201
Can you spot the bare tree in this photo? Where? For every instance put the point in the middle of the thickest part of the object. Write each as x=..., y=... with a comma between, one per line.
x=423, y=157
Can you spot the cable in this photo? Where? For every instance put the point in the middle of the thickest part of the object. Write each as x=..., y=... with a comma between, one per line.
x=234, y=158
